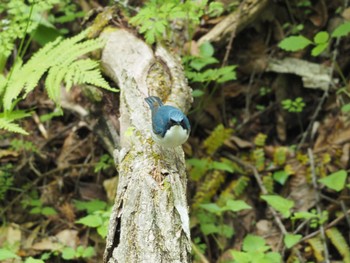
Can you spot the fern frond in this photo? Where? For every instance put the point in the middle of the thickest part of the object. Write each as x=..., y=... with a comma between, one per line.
x=317, y=247
x=209, y=187
x=15, y=115
x=217, y=138
x=3, y=82
x=14, y=85
x=8, y=125
x=53, y=82
x=268, y=183
x=259, y=158
x=39, y=63
x=280, y=155
x=339, y=242
x=60, y=58
x=260, y=139
x=234, y=189
x=86, y=71
x=28, y=75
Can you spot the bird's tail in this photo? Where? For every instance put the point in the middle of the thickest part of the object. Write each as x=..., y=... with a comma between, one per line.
x=154, y=102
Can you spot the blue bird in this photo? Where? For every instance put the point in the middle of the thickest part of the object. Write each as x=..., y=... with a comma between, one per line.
x=170, y=126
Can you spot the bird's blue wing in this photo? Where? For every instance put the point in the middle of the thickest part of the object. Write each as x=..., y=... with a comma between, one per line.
x=159, y=123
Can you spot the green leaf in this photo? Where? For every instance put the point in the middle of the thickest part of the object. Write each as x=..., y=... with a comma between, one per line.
x=303, y=215
x=319, y=49
x=48, y=211
x=208, y=229
x=79, y=251
x=222, y=166
x=68, y=253
x=345, y=108
x=241, y=257
x=279, y=203
x=45, y=117
x=35, y=211
x=90, y=206
x=227, y=73
x=226, y=230
x=215, y=9
x=294, y=43
x=335, y=181
x=342, y=30
x=236, y=206
x=200, y=163
x=206, y=49
x=321, y=37
x=272, y=257
x=90, y=221
x=252, y=243
x=280, y=176
x=102, y=230
x=290, y=240
x=88, y=252
x=198, y=63
x=7, y=254
x=8, y=125
x=33, y=260
x=197, y=93
x=212, y=208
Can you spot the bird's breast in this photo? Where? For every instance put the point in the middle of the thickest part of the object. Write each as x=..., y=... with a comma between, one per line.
x=175, y=136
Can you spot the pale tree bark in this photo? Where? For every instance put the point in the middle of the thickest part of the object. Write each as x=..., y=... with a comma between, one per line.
x=149, y=222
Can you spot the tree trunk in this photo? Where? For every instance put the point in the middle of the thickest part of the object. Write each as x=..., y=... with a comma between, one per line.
x=149, y=221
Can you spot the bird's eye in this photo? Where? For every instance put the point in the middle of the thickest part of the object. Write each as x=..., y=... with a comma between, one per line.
x=183, y=124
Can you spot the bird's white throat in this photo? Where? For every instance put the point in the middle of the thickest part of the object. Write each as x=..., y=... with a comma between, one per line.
x=175, y=136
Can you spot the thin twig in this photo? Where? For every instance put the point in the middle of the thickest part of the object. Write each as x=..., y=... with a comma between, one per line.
x=347, y=217
x=318, y=201
x=233, y=34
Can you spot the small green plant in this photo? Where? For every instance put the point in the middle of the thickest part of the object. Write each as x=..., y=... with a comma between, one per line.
x=315, y=219
x=25, y=146
x=263, y=91
x=98, y=215
x=255, y=250
x=38, y=207
x=195, y=69
x=296, y=105
x=6, y=179
x=320, y=41
x=156, y=19
x=104, y=163
x=69, y=253
x=213, y=223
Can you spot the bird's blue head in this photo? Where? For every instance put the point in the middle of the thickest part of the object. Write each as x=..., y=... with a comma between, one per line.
x=170, y=126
